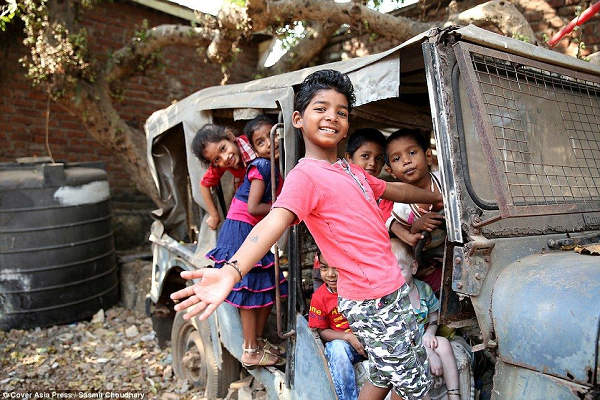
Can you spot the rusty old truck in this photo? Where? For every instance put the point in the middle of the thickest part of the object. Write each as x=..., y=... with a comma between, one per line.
x=516, y=130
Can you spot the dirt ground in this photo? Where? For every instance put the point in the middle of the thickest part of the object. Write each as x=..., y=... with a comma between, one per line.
x=116, y=350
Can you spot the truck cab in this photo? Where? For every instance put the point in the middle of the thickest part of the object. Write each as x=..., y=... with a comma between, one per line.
x=516, y=134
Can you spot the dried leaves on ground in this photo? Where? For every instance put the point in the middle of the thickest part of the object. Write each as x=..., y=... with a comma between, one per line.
x=117, y=350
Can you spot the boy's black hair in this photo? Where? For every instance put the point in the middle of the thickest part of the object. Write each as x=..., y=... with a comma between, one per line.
x=414, y=134
x=210, y=133
x=323, y=80
x=362, y=136
x=255, y=124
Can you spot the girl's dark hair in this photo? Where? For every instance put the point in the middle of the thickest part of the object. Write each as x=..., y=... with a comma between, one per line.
x=409, y=133
x=362, y=136
x=210, y=133
x=255, y=124
x=323, y=80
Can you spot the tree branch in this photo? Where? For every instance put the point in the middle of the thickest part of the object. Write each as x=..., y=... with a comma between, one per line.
x=307, y=49
x=550, y=15
x=92, y=106
x=499, y=13
x=128, y=61
x=353, y=14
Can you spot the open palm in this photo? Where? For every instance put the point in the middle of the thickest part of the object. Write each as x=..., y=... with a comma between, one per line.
x=206, y=295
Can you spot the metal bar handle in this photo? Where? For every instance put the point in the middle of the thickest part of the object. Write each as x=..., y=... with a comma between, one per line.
x=275, y=246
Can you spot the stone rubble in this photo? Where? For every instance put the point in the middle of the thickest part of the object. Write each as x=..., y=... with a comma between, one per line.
x=116, y=350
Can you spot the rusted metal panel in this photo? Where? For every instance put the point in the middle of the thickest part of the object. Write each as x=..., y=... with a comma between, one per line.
x=471, y=264
x=442, y=113
x=546, y=313
x=515, y=383
x=311, y=373
x=455, y=310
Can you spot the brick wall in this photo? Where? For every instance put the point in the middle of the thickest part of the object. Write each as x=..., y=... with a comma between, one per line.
x=23, y=108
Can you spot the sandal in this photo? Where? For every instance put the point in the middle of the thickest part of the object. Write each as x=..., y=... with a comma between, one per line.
x=270, y=347
x=264, y=360
x=453, y=392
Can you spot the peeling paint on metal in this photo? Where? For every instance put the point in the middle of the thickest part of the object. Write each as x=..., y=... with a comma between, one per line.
x=283, y=392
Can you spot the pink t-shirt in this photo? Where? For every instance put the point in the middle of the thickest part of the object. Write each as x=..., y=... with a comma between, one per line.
x=338, y=204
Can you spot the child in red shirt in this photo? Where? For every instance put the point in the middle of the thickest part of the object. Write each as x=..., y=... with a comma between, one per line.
x=342, y=347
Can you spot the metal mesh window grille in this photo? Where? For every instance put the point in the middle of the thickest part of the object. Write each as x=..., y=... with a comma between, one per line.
x=543, y=130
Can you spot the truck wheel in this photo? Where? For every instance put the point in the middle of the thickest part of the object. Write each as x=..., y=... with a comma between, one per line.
x=194, y=359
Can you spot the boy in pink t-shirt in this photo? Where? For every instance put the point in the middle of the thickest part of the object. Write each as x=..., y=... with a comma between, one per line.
x=337, y=202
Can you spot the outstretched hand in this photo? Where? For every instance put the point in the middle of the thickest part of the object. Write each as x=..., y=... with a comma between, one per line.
x=207, y=294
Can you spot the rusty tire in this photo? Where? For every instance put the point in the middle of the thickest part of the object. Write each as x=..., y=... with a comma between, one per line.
x=194, y=359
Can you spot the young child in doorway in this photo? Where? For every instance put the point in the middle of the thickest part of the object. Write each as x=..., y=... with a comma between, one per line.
x=365, y=149
x=342, y=348
x=408, y=159
x=255, y=294
x=426, y=308
x=326, y=193
x=220, y=149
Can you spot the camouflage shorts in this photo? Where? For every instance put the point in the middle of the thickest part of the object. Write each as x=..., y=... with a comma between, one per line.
x=388, y=329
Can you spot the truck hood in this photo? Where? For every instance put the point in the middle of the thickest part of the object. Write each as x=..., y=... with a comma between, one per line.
x=546, y=313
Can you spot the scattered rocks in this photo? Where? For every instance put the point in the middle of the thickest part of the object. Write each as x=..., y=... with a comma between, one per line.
x=132, y=331
x=116, y=350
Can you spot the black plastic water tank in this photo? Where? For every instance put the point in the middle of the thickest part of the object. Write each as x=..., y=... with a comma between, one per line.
x=57, y=261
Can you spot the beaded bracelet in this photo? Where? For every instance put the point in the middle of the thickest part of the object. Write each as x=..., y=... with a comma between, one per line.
x=234, y=266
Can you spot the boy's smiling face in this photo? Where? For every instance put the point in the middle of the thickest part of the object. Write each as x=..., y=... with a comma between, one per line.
x=324, y=123
x=328, y=274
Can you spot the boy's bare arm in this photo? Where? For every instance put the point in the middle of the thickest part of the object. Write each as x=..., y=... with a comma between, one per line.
x=404, y=234
x=428, y=222
x=405, y=193
x=262, y=237
x=429, y=338
x=216, y=284
x=331, y=334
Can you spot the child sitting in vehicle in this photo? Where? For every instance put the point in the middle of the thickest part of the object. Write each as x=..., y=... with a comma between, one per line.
x=220, y=149
x=342, y=348
x=408, y=159
x=326, y=192
x=426, y=308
